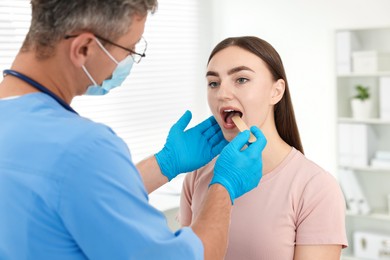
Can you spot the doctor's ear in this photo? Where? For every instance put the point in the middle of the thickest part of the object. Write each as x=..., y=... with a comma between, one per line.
x=278, y=89
x=80, y=47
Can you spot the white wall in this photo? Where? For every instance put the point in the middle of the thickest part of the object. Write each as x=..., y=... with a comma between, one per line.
x=302, y=31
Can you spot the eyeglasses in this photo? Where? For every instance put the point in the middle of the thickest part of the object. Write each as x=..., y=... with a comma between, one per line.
x=137, y=54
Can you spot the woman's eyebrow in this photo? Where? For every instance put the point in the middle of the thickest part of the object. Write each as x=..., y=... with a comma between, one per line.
x=230, y=72
x=212, y=73
x=237, y=69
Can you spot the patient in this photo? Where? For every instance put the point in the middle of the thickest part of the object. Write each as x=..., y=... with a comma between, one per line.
x=298, y=210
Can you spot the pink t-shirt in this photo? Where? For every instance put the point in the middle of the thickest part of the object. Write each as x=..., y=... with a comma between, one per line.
x=298, y=203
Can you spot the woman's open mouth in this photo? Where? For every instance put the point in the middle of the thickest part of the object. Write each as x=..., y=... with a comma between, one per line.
x=227, y=114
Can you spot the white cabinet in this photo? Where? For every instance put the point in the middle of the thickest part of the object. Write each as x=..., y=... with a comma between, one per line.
x=363, y=58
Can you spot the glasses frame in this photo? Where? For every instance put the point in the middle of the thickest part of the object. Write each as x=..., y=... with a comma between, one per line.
x=131, y=52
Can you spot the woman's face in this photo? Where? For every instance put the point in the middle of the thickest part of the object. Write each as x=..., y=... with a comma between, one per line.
x=239, y=82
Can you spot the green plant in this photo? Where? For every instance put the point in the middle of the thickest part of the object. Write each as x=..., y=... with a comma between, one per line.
x=362, y=92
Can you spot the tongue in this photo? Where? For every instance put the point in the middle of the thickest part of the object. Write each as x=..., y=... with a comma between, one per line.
x=229, y=117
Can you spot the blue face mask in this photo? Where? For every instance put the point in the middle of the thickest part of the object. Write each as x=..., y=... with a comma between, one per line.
x=119, y=75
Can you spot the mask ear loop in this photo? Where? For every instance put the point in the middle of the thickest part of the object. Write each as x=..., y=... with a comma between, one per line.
x=89, y=75
x=108, y=54
x=106, y=51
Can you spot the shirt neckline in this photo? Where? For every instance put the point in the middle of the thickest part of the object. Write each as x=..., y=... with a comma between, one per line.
x=11, y=97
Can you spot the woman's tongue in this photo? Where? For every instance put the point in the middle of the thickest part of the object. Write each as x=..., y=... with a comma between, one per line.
x=229, y=120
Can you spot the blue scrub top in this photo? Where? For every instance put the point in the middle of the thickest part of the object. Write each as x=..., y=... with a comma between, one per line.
x=69, y=190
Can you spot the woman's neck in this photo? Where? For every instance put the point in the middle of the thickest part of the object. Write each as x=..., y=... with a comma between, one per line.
x=274, y=152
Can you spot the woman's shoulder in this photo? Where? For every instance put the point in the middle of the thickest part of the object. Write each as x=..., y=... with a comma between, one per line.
x=300, y=162
x=312, y=184
x=304, y=169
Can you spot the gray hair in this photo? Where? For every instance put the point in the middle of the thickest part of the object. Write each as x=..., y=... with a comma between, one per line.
x=53, y=19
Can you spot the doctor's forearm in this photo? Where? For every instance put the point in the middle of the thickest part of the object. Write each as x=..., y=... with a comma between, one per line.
x=151, y=174
x=212, y=224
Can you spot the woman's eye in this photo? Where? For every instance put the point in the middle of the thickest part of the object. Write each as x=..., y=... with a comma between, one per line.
x=242, y=80
x=213, y=84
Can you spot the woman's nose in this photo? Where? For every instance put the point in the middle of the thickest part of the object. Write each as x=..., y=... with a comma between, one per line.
x=225, y=92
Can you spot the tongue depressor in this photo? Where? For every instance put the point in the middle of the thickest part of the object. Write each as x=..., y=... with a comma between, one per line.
x=242, y=127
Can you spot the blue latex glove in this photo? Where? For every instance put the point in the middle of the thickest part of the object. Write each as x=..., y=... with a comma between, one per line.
x=186, y=151
x=240, y=171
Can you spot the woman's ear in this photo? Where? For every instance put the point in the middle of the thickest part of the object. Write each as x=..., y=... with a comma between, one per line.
x=278, y=89
x=80, y=48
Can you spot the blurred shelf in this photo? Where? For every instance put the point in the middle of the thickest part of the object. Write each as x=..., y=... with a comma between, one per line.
x=378, y=215
x=366, y=169
x=368, y=74
x=349, y=257
x=373, y=121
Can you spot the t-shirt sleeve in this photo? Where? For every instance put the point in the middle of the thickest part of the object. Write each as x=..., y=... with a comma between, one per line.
x=104, y=206
x=185, y=213
x=321, y=216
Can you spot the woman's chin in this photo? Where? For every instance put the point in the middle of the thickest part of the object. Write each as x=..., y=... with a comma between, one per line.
x=229, y=136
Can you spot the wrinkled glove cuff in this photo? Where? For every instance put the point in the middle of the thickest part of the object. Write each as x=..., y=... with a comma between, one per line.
x=164, y=161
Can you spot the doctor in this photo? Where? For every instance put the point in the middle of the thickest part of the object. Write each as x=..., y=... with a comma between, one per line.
x=68, y=187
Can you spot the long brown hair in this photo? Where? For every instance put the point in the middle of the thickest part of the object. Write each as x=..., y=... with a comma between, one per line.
x=283, y=112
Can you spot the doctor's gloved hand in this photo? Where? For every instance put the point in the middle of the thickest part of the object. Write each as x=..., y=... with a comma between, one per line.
x=240, y=171
x=186, y=151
